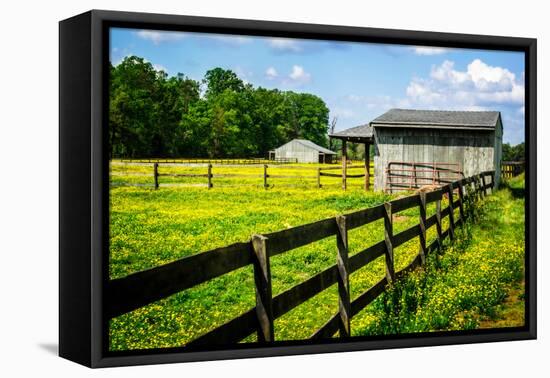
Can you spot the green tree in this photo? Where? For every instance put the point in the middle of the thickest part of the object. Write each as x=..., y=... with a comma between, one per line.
x=218, y=80
x=513, y=153
x=233, y=134
x=307, y=118
x=154, y=115
x=133, y=106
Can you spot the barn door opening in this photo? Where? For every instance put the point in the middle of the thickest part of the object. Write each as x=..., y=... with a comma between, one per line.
x=404, y=175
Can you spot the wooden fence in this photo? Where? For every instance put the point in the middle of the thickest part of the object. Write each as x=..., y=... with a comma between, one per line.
x=264, y=176
x=139, y=289
x=405, y=175
x=248, y=161
x=511, y=169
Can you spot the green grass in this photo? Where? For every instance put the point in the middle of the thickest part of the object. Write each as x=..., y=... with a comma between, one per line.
x=283, y=175
x=149, y=228
x=476, y=282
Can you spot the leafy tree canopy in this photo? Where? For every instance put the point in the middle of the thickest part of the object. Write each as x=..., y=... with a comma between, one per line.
x=153, y=115
x=513, y=153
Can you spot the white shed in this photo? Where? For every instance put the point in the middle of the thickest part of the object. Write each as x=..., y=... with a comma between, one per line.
x=302, y=151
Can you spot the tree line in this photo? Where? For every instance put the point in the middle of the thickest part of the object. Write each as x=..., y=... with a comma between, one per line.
x=513, y=153
x=152, y=114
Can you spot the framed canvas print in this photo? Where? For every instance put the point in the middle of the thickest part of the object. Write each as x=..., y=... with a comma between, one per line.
x=234, y=188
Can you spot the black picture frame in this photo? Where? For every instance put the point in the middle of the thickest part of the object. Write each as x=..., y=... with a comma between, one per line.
x=83, y=181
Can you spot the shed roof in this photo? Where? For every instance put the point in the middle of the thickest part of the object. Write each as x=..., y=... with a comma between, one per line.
x=482, y=120
x=312, y=145
x=361, y=133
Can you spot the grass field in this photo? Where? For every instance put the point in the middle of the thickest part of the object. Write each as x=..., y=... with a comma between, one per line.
x=149, y=228
x=477, y=282
x=232, y=175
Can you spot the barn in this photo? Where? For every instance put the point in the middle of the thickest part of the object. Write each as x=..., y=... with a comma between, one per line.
x=414, y=148
x=302, y=151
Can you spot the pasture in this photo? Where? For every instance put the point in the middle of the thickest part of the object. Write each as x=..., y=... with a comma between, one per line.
x=151, y=227
x=229, y=174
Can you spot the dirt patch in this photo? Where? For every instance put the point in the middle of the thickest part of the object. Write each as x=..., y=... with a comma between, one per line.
x=511, y=312
x=400, y=218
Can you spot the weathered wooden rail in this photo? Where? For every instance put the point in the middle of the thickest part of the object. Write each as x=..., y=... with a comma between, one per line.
x=511, y=169
x=265, y=175
x=413, y=175
x=247, y=161
x=139, y=289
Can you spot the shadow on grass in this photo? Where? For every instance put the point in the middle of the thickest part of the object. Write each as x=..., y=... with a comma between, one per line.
x=517, y=192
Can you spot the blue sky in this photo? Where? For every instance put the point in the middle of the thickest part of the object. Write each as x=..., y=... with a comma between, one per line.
x=357, y=81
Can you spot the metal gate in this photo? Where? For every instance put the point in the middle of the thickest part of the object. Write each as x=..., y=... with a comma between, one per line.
x=404, y=175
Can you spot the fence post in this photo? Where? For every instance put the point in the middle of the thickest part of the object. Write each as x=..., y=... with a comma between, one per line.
x=262, y=281
x=156, y=174
x=209, y=176
x=265, y=176
x=461, y=199
x=344, y=164
x=483, y=184
x=388, y=237
x=422, y=223
x=477, y=181
x=451, y=212
x=367, y=166
x=438, y=221
x=344, y=304
x=318, y=177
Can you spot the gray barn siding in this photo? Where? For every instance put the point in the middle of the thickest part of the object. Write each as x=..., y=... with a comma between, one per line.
x=476, y=151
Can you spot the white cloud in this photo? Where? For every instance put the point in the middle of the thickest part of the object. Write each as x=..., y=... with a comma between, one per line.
x=160, y=36
x=427, y=50
x=487, y=77
x=244, y=74
x=378, y=103
x=298, y=75
x=284, y=45
x=342, y=112
x=446, y=72
x=354, y=98
x=116, y=62
x=479, y=85
x=271, y=73
x=235, y=40
x=159, y=67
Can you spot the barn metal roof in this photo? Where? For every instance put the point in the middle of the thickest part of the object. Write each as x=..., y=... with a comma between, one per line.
x=357, y=131
x=482, y=120
x=312, y=145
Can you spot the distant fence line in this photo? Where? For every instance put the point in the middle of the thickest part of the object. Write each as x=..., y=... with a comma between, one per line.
x=209, y=174
x=248, y=161
x=511, y=169
x=140, y=289
x=244, y=161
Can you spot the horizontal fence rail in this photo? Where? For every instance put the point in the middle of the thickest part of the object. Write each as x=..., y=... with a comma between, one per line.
x=263, y=174
x=203, y=161
x=511, y=169
x=140, y=289
x=413, y=175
